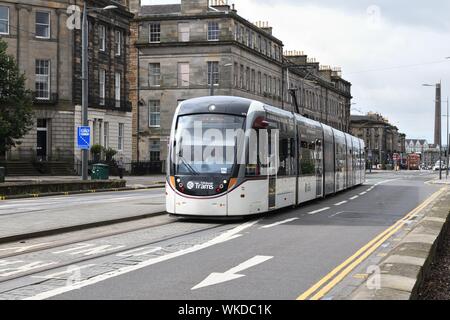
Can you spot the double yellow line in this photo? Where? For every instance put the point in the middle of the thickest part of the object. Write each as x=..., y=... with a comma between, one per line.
x=322, y=287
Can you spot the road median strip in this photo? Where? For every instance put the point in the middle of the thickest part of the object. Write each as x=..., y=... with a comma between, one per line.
x=68, y=193
x=327, y=283
x=79, y=227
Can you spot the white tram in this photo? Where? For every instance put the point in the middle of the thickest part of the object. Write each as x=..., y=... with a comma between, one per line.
x=314, y=160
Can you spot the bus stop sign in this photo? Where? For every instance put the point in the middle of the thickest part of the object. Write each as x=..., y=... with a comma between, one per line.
x=84, y=138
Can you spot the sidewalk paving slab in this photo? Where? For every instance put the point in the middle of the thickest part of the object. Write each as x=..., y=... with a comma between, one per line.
x=404, y=267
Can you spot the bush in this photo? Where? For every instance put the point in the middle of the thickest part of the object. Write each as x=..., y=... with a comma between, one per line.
x=109, y=154
x=96, y=151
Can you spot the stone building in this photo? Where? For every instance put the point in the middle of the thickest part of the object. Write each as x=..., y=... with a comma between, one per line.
x=198, y=48
x=382, y=139
x=44, y=39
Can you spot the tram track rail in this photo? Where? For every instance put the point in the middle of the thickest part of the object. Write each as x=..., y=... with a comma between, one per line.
x=99, y=256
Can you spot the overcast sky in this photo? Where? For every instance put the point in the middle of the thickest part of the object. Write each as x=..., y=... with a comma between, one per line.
x=387, y=50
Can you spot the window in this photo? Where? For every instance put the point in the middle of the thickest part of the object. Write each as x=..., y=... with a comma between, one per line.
x=154, y=71
x=264, y=47
x=213, y=73
x=253, y=86
x=155, y=153
x=270, y=85
x=236, y=74
x=102, y=85
x=238, y=33
x=120, y=137
x=102, y=37
x=118, y=42
x=118, y=81
x=43, y=79
x=259, y=83
x=213, y=31
x=183, y=74
x=43, y=25
x=183, y=32
x=4, y=20
x=265, y=83
x=259, y=43
x=241, y=77
x=106, y=134
x=155, y=32
x=247, y=79
x=154, y=113
x=249, y=38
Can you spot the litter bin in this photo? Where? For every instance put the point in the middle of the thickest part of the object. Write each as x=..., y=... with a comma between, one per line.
x=2, y=174
x=100, y=172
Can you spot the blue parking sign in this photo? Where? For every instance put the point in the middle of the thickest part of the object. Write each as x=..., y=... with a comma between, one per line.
x=84, y=138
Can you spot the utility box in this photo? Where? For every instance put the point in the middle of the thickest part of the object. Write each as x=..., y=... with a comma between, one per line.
x=2, y=174
x=100, y=172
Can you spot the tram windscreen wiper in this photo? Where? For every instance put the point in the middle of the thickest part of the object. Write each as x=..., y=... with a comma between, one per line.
x=186, y=164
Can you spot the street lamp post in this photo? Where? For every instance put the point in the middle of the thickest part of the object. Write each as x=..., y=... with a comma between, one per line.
x=85, y=79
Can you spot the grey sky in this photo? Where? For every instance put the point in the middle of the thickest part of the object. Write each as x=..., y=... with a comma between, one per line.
x=370, y=40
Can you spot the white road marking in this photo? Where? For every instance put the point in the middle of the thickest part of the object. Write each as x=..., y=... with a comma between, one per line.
x=337, y=213
x=24, y=268
x=224, y=237
x=320, y=210
x=24, y=248
x=232, y=274
x=88, y=249
x=340, y=203
x=138, y=252
x=68, y=271
x=353, y=198
x=278, y=223
x=362, y=193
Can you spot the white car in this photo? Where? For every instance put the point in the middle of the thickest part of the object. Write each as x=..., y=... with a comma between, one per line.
x=440, y=164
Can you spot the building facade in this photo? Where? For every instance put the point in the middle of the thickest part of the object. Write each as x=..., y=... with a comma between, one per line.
x=199, y=48
x=382, y=139
x=429, y=152
x=44, y=38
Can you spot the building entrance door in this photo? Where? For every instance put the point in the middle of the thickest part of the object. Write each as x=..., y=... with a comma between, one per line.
x=42, y=139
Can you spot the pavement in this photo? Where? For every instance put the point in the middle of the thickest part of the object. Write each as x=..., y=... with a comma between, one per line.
x=293, y=253
x=26, y=218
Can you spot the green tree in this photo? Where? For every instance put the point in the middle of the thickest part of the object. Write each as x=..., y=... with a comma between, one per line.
x=16, y=104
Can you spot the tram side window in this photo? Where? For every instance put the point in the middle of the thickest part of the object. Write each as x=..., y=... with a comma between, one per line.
x=307, y=162
x=253, y=161
x=286, y=150
x=340, y=157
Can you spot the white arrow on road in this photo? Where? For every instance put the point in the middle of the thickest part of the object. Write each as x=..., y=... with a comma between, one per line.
x=232, y=274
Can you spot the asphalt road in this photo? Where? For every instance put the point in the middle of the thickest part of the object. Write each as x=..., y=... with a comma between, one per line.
x=278, y=256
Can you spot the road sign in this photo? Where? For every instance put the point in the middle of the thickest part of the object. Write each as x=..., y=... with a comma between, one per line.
x=84, y=138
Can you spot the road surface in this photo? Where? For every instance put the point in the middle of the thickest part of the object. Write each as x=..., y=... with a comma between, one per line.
x=281, y=255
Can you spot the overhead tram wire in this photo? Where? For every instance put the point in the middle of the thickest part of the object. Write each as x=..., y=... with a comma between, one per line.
x=401, y=67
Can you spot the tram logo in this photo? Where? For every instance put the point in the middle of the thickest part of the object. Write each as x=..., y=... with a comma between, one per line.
x=200, y=185
x=190, y=185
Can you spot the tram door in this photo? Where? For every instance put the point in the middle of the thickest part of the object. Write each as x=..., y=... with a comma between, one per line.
x=272, y=168
x=319, y=167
